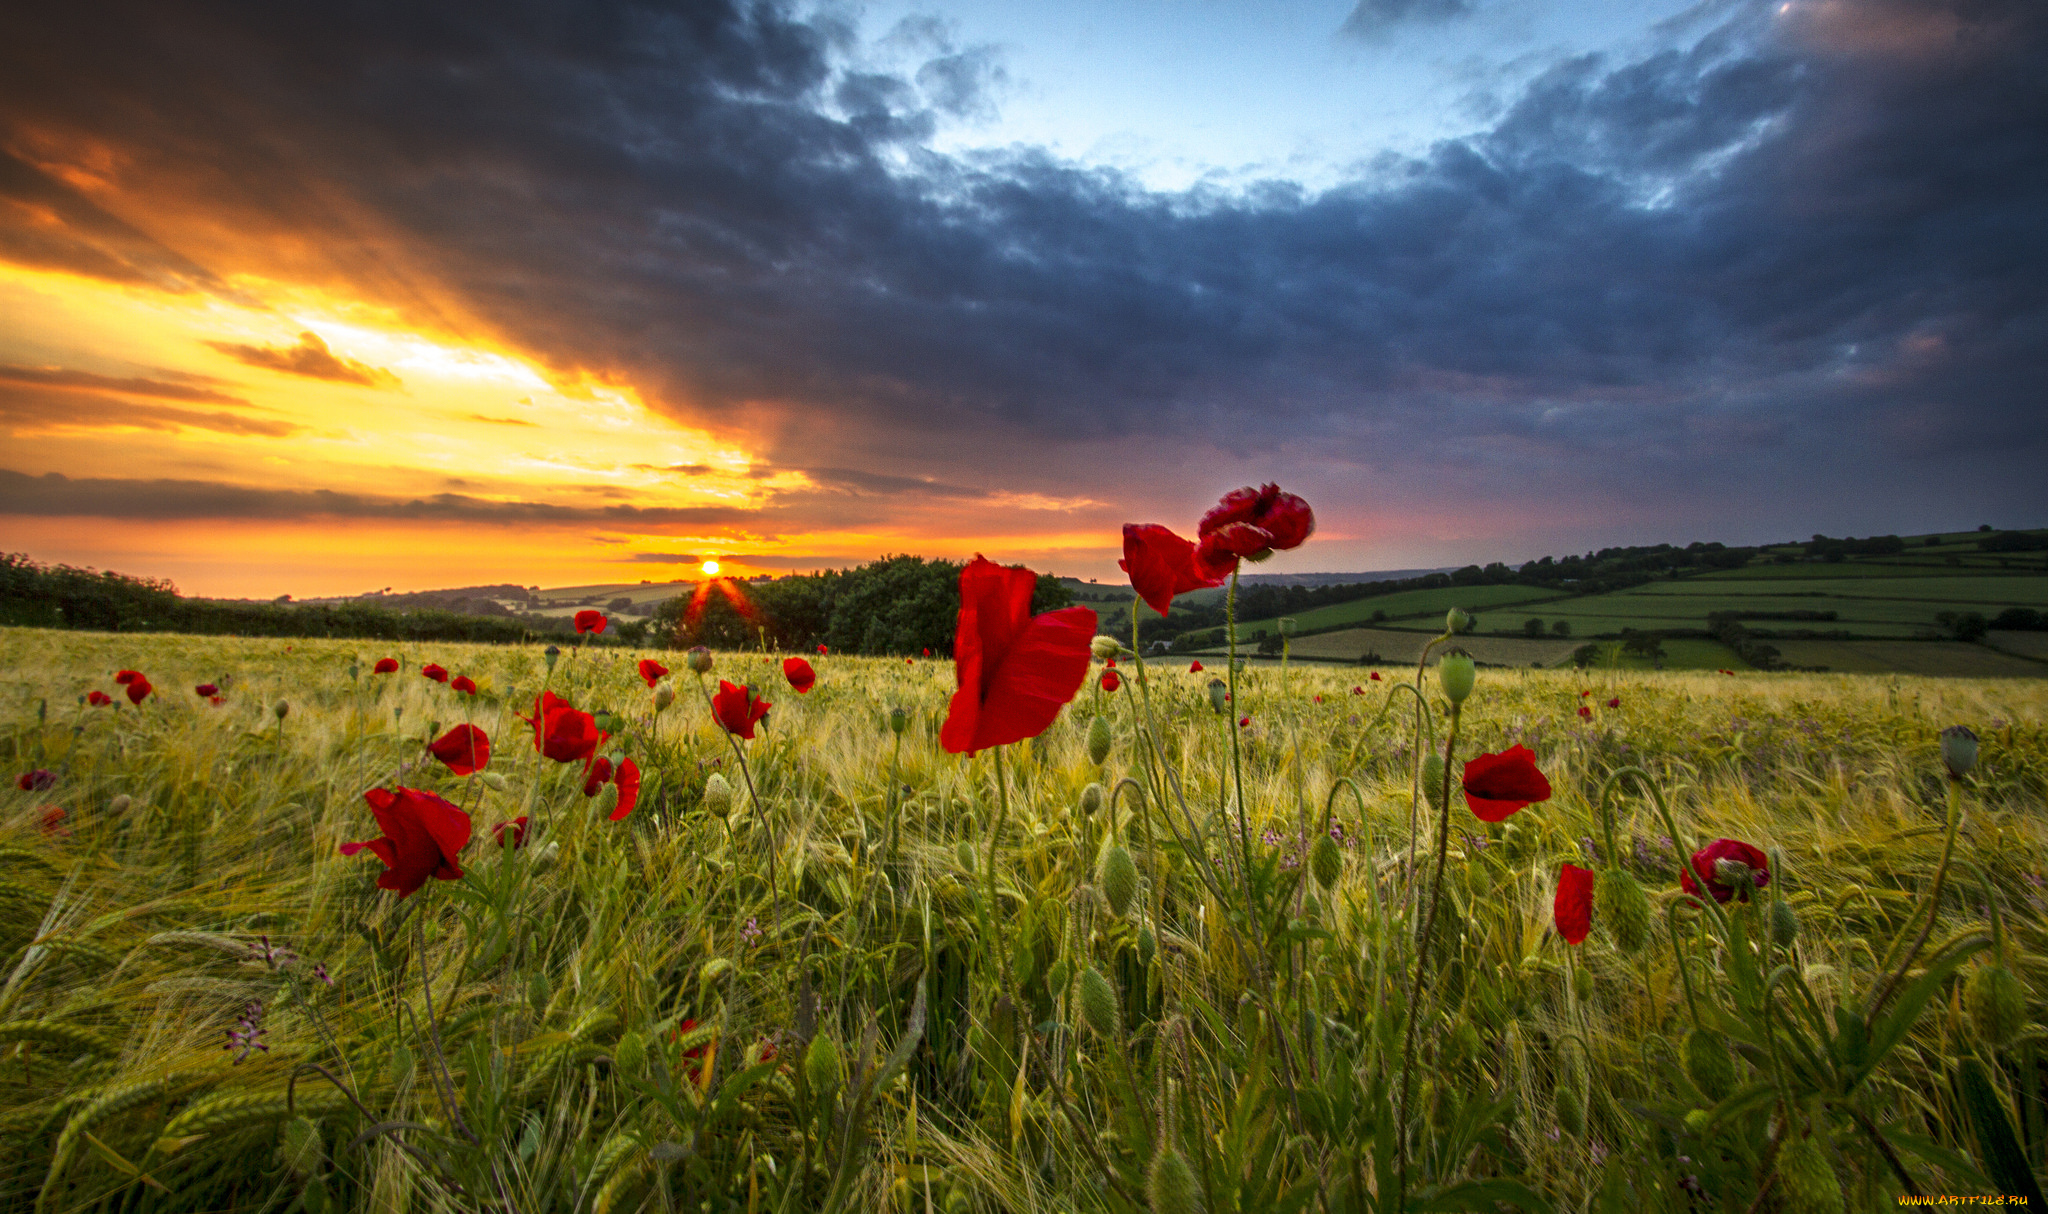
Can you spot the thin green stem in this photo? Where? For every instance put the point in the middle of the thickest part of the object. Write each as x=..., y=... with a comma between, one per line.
x=995, y=834
x=1422, y=956
x=1948, y=848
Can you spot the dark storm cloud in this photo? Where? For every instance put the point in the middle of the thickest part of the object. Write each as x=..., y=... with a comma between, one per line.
x=1372, y=19
x=48, y=224
x=1805, y=250
x=311, y=358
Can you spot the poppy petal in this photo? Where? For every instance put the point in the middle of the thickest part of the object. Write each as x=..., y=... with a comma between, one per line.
x=1573, y=907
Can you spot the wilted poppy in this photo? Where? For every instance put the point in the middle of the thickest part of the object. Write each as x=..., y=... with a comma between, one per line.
x=422, y=836
x=1615, y=702
x=1729, y=868
x=1162, y=564
x=737, y=708
x=207, y=689
x=590, y=621
x=1573, y=907
x=465, y=749
x=138, y=689
x=515, y=828
x=562, y=733
x=627, y=777
x=1498, y=785
x=385, y=666
x=38, y=780
x=1254, y=523
x=597, y=775
x=652, y=671
x=464, y=684
x=799, y=673
x=1195, y=667
x=98, y=699
x=435, y=671
x=1014, y=671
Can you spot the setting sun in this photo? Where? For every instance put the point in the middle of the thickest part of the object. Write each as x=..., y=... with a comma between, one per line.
x=710, y=568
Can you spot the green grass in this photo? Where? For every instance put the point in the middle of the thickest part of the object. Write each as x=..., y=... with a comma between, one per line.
x=1253, y=1024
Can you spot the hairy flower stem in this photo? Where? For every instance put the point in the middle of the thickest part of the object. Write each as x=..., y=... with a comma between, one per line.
x=1244, y=832
x=1422, y=955
x=995, y=834
x=1948, y=848
x=1144, y=811
x=754, y=798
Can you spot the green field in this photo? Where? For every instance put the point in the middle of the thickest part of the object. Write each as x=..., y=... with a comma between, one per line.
x=901, y=980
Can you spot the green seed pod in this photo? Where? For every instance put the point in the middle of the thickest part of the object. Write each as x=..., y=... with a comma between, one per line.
x=282, y=708
x=1997, y=1004
x=899, y=720
x=1571, y=1111
x=607, y=798
x=821, y=1066
x=1170, y=1185
x=1582, y=983
x=551, y=655
x=1696, y=1120
x=302, y=1150
x=1219, y=696
x=1784, y=923
x=1806, y=1180
x=1091, y=799
x=1099, y=1005
x=664, y=695
x=1326, y=862
x=1455, y=674
x=493, y=781
x=1958, y=751
x=1056, y=977
x=717, y=794
x=1620, y=903
x=630, y=1053
x=1148, y=945
x=537, y=993
x=698, y=659
x=1433, y=780
x=120, y=805
x=1119, y=878
x=1708, y=1063
x=1455, y=620
x=1098, y=739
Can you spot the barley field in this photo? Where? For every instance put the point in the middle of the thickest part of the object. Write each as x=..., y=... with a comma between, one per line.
x=834, y=967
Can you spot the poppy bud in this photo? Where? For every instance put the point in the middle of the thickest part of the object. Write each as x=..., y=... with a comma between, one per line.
x=608, y=799
x=1455, y=620
x=1571, y=1112
x=1105, y=647
x=544, y=859
x=1784, y=923
x=717, y=794
x=1433, y=779
x=966, y=855
x=1622, y=905
x=550, y=655
x=120, y=805
x=1806, y=1180
x=1119, y=878
x=1708, y=1064
x=664, y=695
x=698, y=659
x=1099, y=1004
x=1148, y=945
x=1170, y=1184
x=282, y=708
x=899, y=720
x=1219, y=695
x=1455, y=673
x=494, y=781
x=302, y=1149
x=631, y=1052
x=1325, y=862
x=1997, y=1004
x=1098, y=740
x=1958, y=750
x=821, y=1067
x=1091, y=799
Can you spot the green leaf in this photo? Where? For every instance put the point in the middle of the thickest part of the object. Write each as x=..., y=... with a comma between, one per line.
x=1892, y=1029
x=2004, y=1162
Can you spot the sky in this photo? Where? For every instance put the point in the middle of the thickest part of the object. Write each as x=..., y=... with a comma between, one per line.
x=319, y=300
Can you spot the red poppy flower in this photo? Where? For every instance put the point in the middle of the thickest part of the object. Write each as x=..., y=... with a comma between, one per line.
x=590, y=621
x=1244, y=722
x=652, y=671
x=596, y=775
x=928, y=651
x=465, y=749
x=435, y=671
x=1162, y=564
x=216, y=701
x=1195, y=667
x=737, y=708
x=207, y=689
x=695, y=1053
x=821, y=651
x=53, y=820
x=1584, y=694
x=98, y=699
x=464, y=684
x=1585, y=712
x=562, y=733
x=138, y=690
x=385, y=666
x=1375, y=676
x=422, y=836
x=1498, y=785
x=126, y=677
x=1727, y=672
x=1110, y=662
x=1014, y=671
x=40, y=779
x=627, y=777
x=516, y=828
x=1729, y=868
x=1255, y=523
x=1357, y=690
x=799, y=673
x=910, y=661
x=1319, y=699
x=1111, y=680
x=1573, y=907
x=1615, y=702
